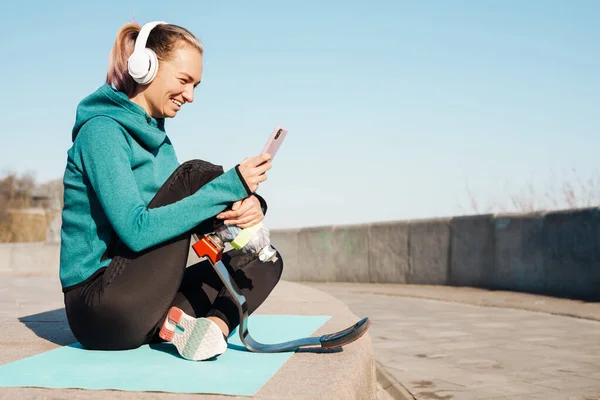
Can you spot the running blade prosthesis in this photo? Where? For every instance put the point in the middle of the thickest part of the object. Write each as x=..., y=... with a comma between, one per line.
x=211, y=246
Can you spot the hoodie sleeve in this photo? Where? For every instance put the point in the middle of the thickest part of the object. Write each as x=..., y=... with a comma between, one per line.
x=105, y=157
x=263, y=202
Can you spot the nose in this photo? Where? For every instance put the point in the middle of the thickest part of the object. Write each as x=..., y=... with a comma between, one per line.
x=188, y=94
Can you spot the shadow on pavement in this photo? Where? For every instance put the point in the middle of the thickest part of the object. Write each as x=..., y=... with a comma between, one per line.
x=50, y=325
x=53, y=326
x=317, y=350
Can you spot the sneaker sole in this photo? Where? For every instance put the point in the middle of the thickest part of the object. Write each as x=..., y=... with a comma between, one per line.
x=195, y=338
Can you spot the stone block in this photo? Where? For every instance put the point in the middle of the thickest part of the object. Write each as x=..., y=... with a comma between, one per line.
x=571, y=249
x=388, y=252
x=429, y=245
x=519, y=253
x=286, y=242
x=315, y=254
x=351, y=253
x=471, y=250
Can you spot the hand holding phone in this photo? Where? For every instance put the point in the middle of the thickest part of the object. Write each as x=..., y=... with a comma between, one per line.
x=254, y=169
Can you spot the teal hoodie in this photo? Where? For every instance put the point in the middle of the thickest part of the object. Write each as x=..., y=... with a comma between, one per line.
x=119, y=159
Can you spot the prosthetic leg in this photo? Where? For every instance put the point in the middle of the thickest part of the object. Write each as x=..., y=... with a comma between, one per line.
x=212, y=247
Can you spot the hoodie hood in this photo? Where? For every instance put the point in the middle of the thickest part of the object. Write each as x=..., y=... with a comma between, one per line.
x=108, y=102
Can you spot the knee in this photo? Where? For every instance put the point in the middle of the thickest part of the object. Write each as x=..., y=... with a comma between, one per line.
x=108, y=327
x=201, y=166
x=193, y=174
x=266, y=274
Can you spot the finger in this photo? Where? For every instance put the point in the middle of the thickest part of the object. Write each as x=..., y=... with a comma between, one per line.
x=243, y=220
x=236, y=205
x=230, y=214
x=247, y=221
x=255, y=221
x=226, y=214
x=261, y=169
x=258, y=160
x=256, y=181
x=261, y=178
x=245, y=208
x=265, y=158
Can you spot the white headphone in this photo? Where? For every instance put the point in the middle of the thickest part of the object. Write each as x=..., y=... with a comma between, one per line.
x=142, y=64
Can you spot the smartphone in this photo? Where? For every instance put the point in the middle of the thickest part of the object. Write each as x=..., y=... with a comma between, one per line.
x=274, y=141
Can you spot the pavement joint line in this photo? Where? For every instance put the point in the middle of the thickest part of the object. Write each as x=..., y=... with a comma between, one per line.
x=389, y=384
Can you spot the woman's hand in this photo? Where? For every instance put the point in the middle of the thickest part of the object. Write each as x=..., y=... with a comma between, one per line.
x=254, y=170
x=244, y=213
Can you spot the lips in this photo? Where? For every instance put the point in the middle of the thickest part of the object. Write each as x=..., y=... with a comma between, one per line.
x=177, y=103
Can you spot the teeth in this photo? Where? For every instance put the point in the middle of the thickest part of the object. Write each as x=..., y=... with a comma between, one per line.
x=176, y=102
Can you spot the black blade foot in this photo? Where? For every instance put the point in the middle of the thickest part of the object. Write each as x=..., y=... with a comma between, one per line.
x=345, y=336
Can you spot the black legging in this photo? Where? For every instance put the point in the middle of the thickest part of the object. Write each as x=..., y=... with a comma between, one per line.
x=123, y=306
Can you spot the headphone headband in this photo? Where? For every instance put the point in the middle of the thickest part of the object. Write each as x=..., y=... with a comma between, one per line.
x=142, y=38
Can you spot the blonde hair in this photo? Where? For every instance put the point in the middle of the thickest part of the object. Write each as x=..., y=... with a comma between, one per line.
x=163, y=39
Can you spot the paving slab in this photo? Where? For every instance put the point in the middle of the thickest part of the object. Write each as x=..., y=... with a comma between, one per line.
x=32, y=320
x=460, y=343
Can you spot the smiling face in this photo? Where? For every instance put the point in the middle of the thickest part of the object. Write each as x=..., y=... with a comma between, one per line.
x=174, y=83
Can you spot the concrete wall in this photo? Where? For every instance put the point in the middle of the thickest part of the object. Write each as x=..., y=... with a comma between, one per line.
x=554, y=253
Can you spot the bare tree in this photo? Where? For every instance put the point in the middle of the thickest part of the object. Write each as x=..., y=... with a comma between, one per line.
x=17, y=192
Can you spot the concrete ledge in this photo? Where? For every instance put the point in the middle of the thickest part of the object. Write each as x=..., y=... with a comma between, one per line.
x=349, y=374
x=346, y=374
x=552, y=253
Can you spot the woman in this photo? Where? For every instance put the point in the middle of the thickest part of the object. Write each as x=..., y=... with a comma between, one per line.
x=130, y=208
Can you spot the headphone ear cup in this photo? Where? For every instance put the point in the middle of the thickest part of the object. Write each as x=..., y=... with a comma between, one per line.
x=152, y=71
x=142, y=64
x=138, y=65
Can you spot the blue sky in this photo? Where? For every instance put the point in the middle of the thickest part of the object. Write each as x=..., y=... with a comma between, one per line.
x=393, y=108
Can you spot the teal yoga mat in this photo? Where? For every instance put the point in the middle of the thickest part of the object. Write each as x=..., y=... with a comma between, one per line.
x=160, y=368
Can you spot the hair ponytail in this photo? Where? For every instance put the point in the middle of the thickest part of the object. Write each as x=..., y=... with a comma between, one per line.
x=117, y=75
